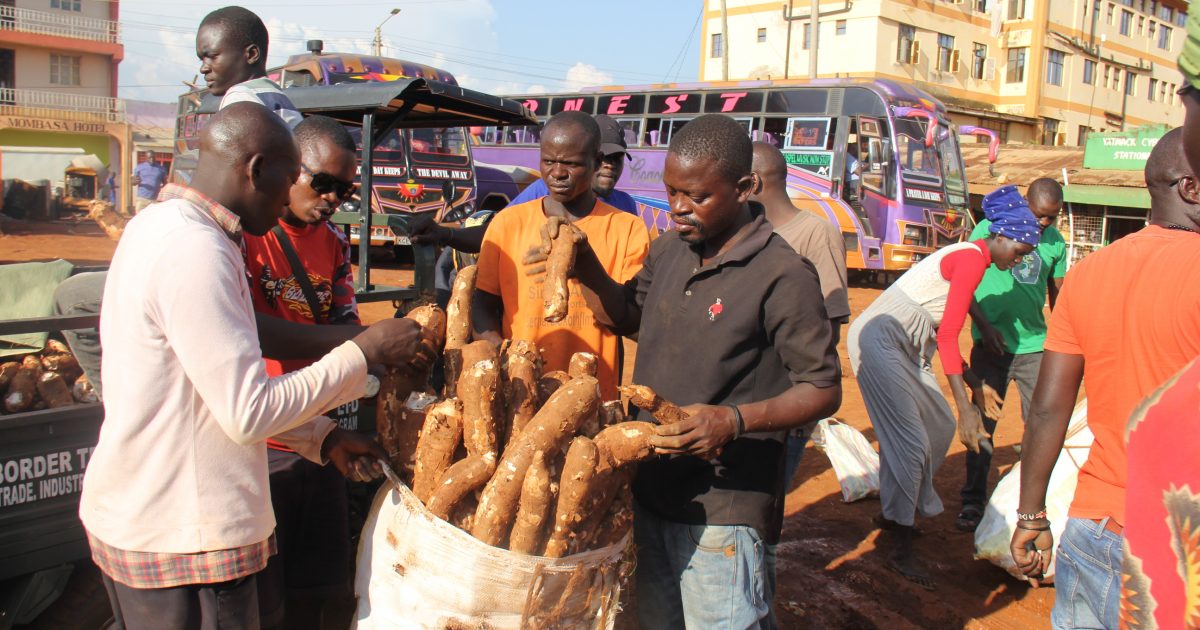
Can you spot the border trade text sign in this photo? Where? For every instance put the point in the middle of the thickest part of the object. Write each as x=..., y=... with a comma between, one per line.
x=1121, y=151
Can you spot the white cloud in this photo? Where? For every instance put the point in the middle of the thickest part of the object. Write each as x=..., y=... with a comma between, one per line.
x=585, y=74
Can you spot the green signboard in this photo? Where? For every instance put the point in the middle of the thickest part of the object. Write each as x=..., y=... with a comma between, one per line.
x=1122, y=151
x=816, y=162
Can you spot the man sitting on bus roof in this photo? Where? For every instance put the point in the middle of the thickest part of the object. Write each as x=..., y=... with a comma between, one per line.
x=614, y=151
x=508, y=303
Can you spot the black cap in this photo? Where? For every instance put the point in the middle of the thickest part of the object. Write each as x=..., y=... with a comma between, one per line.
x=612, y=136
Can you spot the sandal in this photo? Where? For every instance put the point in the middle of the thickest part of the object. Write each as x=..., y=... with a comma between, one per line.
x=969, y=518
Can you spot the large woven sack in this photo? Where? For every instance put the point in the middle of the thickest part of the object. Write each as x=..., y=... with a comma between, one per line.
x=854, y=461
x=995, y=531
x=415, y=570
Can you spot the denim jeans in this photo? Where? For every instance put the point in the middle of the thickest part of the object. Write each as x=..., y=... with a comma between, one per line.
x=702, y=576
x=81, y=295
x=996, y=371
x=1087, y=577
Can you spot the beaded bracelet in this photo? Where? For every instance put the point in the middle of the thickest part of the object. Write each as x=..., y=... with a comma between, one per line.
x=1036, y=516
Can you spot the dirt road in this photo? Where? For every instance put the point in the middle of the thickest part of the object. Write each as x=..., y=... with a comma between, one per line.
x=832, y=570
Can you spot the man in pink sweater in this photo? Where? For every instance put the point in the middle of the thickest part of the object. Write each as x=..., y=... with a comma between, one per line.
x=175, y=499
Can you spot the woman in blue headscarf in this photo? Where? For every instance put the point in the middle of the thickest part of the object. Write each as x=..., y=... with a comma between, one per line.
x=891, y=351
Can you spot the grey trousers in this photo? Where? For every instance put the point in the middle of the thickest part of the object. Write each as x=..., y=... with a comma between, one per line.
x=996, y=371
x=81, y=294
x=229, y=605
x=891, y=346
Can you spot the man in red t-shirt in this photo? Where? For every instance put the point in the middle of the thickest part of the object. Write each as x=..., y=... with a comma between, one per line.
x=309, y=500
x=1127, y=319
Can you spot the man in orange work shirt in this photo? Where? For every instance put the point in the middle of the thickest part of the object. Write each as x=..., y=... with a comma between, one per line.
x=1127, y=319
x=309, y=500
x=508, y=303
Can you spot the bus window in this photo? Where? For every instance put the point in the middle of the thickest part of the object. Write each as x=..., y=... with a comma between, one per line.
x=859, y=101
x=439, y=141
x=528, y=134
x=671, y=125
x=806, y=101
x=297, y=78
x=873, y=154
x=632, y=128
x=914, y=156
x=746, y=123
x=952, y=169
x=773, y=130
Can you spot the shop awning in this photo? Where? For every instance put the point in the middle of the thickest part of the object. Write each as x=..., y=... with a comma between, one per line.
x=1122, y=196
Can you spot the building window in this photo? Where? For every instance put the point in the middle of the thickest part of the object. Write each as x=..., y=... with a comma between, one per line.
x=1162, y=92
x=905, y=44
x=807, y=36
x=65, y=5
x=1141, y=25
x=1089, y=72
x=945, y=53
x=64, y=70
x=1108, y=15
x=1164, y=37
x=1126, y=23
x=1016, y=65
x=978, y=61
x=1049, y=131
x=840, y=27
x=1153, y=89
x=1055, y=60
x=1181, y=19
x=762, y=35
x=1166, y=13
x=718, y=46
x=1084, y=130
x=1016, y=9
x=980, y=6
x=1152, y=27
x=1107, y=72
x=1130, y=84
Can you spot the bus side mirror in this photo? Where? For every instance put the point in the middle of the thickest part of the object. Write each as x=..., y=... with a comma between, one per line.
x=449, y=192
x=874, y=152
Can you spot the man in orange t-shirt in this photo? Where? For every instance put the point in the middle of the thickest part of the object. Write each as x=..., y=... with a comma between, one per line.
x=508, y=303
x=1128, y=318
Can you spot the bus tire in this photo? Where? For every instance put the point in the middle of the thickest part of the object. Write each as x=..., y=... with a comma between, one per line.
x=83, y=605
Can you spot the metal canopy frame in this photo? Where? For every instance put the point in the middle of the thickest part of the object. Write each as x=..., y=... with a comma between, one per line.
x=379, y=108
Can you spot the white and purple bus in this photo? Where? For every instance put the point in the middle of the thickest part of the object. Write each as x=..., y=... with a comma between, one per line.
x=907, y=198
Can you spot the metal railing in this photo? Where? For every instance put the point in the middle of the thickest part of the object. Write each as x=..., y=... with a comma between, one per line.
x=61, y=106
x=60, y=24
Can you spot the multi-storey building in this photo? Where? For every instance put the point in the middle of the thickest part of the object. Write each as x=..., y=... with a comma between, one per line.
x=58, y=79
x=1036, y=71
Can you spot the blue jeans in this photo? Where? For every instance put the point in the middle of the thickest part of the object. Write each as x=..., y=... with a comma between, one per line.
x=702, y=576
x=1087, y=577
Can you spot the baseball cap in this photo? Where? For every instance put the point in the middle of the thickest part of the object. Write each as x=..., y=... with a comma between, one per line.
x=612, y=136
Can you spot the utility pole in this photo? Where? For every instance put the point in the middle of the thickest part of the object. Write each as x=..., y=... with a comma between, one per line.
x=814, y=35
x=724, y=42
x=379, y=33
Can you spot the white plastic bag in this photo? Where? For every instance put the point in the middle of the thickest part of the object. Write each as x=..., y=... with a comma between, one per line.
x=855, y=462
x=995, y=531
x=417, y=571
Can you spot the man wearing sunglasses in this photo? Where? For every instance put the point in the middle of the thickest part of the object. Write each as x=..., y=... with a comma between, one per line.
x=300, y=272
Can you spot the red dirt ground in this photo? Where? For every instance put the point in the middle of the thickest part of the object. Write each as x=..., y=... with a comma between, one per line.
x=832, y=572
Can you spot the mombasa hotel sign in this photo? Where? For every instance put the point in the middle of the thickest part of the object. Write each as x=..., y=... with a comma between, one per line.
x=59, y=126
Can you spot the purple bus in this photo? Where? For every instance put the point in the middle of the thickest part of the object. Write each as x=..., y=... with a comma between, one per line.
x=877, y=158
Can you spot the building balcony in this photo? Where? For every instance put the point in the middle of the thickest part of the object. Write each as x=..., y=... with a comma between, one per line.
x=65, y=25
x=42, y=110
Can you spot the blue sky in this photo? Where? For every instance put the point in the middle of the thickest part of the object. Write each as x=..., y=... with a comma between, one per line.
x=499, y=46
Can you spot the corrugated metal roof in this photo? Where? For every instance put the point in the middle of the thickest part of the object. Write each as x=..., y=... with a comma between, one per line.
x=1021, y=164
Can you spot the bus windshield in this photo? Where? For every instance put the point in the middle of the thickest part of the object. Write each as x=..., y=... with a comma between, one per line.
x=953, y=173
x=438, y=143
x=914, y=156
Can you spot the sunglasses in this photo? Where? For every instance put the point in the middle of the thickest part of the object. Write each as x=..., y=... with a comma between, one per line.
x=324, y=184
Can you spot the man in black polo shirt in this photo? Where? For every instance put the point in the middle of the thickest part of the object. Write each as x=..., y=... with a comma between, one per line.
x=731, y=323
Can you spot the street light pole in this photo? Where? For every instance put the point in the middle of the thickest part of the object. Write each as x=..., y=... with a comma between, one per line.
x=379, y=33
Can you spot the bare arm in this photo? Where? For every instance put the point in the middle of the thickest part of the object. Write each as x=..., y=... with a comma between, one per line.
x=1045, y=431
x=992, y=339
x=281, y=339
x=486, y=312
x=1052, y=290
